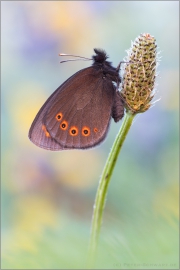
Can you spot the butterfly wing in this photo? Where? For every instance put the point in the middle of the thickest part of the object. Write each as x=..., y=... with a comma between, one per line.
x=76, y=115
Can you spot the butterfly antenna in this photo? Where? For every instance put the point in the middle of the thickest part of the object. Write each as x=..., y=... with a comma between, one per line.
x=81, y=57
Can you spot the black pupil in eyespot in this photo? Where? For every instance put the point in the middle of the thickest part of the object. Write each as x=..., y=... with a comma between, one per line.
x=63, y=125
x=85, y=131
x=73, y=131
x=58, y=116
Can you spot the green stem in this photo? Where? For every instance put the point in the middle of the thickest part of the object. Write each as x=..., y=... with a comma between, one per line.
x=103, y=187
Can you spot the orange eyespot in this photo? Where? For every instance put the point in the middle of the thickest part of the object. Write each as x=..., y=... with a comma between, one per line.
x=85, y=131
x=64, y=125
x=45, y=131
x=73, y=131
x=95, y=130
x=59, y=116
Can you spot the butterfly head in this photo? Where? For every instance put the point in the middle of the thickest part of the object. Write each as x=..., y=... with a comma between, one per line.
x=100, y=56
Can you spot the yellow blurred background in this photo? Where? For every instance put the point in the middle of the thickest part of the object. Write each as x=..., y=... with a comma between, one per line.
x=47, y=197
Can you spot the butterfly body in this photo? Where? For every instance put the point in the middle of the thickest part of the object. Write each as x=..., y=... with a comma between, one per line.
x=78, y=113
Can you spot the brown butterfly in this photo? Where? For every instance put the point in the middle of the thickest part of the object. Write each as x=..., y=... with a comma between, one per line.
x=77, y=115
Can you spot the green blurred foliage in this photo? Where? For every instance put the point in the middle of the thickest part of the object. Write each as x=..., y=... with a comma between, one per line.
x=47, y=198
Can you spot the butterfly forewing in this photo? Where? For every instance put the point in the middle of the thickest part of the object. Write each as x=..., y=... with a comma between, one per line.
x=77, y=115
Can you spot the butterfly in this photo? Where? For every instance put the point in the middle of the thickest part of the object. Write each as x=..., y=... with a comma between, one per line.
x=77, y=115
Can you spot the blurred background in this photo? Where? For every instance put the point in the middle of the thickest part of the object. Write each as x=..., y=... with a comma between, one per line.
x=48, y=197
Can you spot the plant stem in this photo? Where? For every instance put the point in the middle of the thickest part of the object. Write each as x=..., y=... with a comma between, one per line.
x=103, y=187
